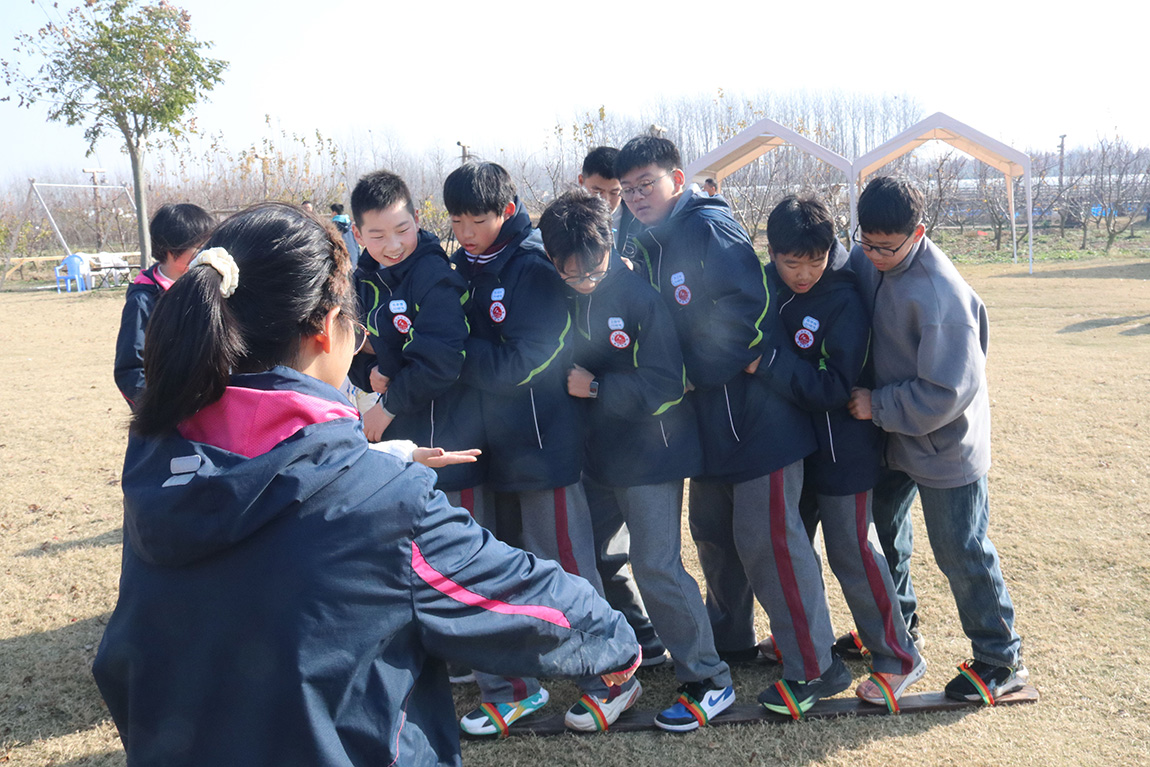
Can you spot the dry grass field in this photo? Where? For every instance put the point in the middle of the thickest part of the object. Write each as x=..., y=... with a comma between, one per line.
x=1070, y=497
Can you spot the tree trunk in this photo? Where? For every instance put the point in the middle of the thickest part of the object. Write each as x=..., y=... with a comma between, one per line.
x=136, y=153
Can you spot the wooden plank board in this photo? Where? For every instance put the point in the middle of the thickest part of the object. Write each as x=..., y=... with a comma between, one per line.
x=640, y=720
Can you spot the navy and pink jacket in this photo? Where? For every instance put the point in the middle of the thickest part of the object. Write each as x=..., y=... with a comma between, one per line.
x=288, y=596
x=139, y=303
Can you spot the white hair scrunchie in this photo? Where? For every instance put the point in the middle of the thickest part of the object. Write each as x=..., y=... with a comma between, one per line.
x=222, y=261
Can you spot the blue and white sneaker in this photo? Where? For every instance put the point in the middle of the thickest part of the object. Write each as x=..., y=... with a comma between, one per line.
x=697, y=704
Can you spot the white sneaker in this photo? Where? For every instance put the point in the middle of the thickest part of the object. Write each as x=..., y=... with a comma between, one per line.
x=495, y=718
x=592, y=714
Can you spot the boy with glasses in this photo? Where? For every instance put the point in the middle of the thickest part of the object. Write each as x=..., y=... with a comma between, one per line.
x=930, y=397
x=612, y=538
x=743, y=506
x=642, y=440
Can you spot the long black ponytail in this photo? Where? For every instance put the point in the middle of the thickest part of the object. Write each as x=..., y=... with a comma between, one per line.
x=293, y=269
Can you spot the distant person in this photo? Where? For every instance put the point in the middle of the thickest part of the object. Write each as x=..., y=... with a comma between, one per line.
x=288, y=594
x=598, y=178
x=930, y=397
x=342, y=223
x=711, y=187
x=307, y=206
x=612, y=538
x=824, y=355
x=177, y=231
x=642, y=438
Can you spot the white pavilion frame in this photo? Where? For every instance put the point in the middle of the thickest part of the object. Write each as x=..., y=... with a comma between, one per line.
x=1007, y=160
x=753, y=142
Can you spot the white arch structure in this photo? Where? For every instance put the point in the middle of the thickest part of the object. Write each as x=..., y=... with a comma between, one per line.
x=940, y=127
x=751, y=143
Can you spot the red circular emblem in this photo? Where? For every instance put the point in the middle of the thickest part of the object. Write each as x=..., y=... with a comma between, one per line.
x=620, y=340
x=498, y=311
x=401, y=322
x=683, y=295
x=804, y=339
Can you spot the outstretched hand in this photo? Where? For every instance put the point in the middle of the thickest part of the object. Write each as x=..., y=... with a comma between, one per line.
x=437, y=457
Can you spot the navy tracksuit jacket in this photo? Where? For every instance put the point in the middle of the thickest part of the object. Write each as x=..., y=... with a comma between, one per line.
x=824, y=355
x=414, y=316
x=704, y=266
x=642, y=431
x=139, y=303
x=518, y=355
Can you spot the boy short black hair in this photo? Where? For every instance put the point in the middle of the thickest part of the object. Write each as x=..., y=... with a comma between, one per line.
x=600, y=161
x=178, y=227
x=476, y=188
x=378, y=190
x=890, y=205
x=642, y=151
x=337, y=208
x=577, y=228
x=800, y=227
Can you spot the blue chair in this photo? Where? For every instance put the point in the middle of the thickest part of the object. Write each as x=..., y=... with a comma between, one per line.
x=71, y=269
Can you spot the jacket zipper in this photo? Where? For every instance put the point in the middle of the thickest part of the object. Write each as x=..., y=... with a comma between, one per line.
x=535, y=417
x=730, y=418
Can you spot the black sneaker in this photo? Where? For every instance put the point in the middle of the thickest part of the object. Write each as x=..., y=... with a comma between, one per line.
x=793, y=698
x=850, y=647
x=978, y=681
x=744, y=655
x=653, y=655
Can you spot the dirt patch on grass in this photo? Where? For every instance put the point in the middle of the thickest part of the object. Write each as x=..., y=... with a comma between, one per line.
x=1070, y=499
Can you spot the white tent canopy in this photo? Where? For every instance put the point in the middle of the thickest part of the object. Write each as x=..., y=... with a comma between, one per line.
x=940, y=127
x=751, y=143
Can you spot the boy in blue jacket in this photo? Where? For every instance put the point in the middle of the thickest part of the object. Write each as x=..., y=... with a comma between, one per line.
x=411, y=303
x=518, y=355
x=642, y=438
x=825, y=356
x=930, y=397
x=754, y=440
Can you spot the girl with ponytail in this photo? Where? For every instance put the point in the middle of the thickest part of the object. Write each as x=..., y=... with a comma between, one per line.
x=289, y=595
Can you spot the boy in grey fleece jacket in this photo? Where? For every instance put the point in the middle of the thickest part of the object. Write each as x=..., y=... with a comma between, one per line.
x=930, y=397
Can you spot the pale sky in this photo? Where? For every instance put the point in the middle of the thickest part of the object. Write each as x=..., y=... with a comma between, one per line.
x=499, y=75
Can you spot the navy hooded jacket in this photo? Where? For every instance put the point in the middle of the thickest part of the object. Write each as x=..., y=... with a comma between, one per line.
x=287, y=594
x=139, y=302
x=641, y=430
x=704, y=266
x=824, y=356
x=414, y=316
x=518, y=356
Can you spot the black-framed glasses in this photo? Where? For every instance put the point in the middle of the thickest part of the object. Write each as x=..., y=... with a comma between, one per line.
x=594, y=278
x=888, y=252
x=644, y=188
x=358, y=336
